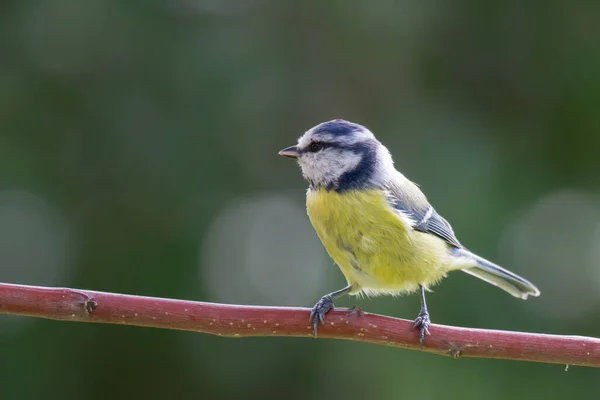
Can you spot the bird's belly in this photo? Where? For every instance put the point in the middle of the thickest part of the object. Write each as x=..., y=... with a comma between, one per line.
x=375, y=249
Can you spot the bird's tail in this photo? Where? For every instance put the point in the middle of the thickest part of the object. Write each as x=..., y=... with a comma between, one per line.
x=498, y=276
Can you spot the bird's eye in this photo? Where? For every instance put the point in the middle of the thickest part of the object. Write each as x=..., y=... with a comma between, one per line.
x=315, y=146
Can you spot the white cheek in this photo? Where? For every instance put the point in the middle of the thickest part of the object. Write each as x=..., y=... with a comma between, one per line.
x=338, y=163
x=327, y=167
x=309, y=167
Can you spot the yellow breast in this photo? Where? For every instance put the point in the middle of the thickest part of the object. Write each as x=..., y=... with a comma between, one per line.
x=375, y=249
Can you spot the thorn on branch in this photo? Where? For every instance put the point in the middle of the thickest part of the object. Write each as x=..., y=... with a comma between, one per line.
x=90, y=305
x=455, y=353
x=356, y=310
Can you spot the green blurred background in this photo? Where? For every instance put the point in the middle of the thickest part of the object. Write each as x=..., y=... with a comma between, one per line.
x=138, y=154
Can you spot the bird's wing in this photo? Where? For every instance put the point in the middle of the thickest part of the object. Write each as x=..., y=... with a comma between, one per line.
x=424, y=218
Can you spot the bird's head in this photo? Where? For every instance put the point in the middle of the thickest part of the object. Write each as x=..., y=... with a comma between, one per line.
x=340, y=155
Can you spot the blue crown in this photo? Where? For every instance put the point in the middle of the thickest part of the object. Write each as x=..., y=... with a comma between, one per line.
x=338, y=127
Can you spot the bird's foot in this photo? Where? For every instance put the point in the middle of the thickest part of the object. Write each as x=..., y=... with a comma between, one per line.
x=319, y=310
x=422, y=322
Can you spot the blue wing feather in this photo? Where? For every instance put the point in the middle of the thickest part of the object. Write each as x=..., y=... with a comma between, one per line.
x=427, y=220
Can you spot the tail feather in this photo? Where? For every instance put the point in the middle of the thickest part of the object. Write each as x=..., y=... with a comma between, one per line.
x=500, y=277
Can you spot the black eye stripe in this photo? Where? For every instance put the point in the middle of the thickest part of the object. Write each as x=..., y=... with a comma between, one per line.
x=313, y=147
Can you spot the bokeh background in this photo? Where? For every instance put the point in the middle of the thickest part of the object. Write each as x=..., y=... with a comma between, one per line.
x=138, y=154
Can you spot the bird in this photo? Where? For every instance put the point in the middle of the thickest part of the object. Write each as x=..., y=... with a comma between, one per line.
x=378, y=226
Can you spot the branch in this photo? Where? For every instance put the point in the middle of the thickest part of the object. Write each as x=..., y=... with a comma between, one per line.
x=239, y=321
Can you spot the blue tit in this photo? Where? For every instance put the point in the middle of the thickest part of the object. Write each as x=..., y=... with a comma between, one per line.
x=377, y=225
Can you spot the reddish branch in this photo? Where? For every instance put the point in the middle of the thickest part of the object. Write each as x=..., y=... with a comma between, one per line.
x=238, y=321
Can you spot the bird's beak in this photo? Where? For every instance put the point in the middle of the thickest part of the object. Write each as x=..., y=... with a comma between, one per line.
x=290, y=152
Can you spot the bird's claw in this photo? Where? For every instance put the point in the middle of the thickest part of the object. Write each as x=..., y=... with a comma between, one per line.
x=422, y=322
x=319, y=310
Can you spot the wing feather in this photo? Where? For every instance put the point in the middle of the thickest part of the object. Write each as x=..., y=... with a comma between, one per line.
x=424, y=219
